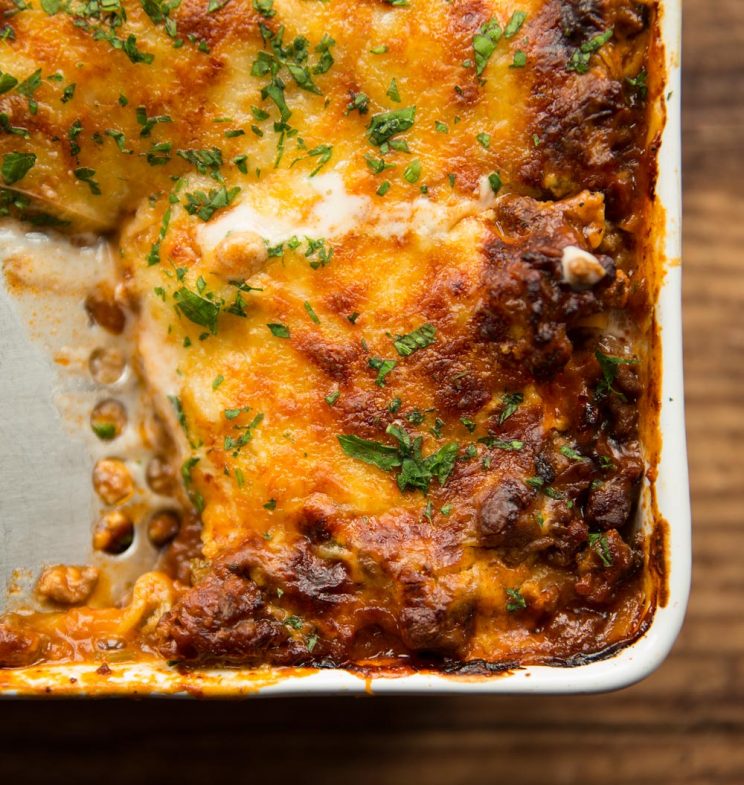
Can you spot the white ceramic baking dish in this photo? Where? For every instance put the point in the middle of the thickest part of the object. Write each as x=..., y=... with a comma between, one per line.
x=628, y=665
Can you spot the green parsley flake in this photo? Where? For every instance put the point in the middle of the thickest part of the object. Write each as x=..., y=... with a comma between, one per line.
x=279, y=330
x=484, y=44
x=515, y=602
x=570, y=453
x=598, y=543
x=383, y=368
x=86, y=175
x=514, y=24
x=311, y=313
x=264, y=7
x=105, y=431
x=384, y=126
x=412, y=172
x=419, y=338
x=494, y=180
x=16, y=166
x=377, y=165
x=359, y=103
x=416, y=471
x=581, y=57
x=196, y=309
x=609, y=365
x=205, y=205
x=510, y=445
x=392, y=92
x=510, y=403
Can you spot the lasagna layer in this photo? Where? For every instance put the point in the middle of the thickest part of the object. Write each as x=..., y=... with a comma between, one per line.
x=385, y=265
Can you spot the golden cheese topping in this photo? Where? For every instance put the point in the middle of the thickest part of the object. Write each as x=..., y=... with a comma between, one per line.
x=385, y=267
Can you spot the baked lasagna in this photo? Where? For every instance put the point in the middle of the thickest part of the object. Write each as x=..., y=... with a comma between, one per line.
x=385, y=273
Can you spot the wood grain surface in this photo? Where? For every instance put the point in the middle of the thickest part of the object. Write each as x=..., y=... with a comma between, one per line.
x=684, y=725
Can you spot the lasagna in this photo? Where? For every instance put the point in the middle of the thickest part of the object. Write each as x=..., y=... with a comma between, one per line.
x=385, y=272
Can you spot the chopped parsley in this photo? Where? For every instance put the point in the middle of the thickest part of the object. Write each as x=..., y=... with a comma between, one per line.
x=264, y=7
x=419, y=338
x=580, y=58
x=598, y=543
x=510, y=445
x=608, y=365
x=415, y=471
x=484, y=140
x=28, y=87
x=16, y=166
x=639, y=83
x=392, y=92
x=412, y=172
x=311, y=313
x=86, y=175
x=484, y=44
x=236, y=444
x=205, y=205
x=514, y=25
x=233, y=414
x=7, y=82
x=106, y=431
x=295, y=622
x=509, y=404
x=180, y=413
x=322, y=152
x=278, y=330
x=186, y=475
x=494, y=180
x=515, y=601
x=148, y=123
x=377, y=165
x=197, y=309
x=520, y=59
x=359, y=103
x=570, y=453
x=386, y=125
x=206, y=161
x=383, y=368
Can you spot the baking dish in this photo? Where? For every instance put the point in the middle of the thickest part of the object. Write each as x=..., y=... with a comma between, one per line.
x=626, y=666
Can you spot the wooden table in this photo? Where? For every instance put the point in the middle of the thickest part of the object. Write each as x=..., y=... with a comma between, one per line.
x=683, y=725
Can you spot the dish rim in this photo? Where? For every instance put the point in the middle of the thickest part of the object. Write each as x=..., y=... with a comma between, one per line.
x=627, y=666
